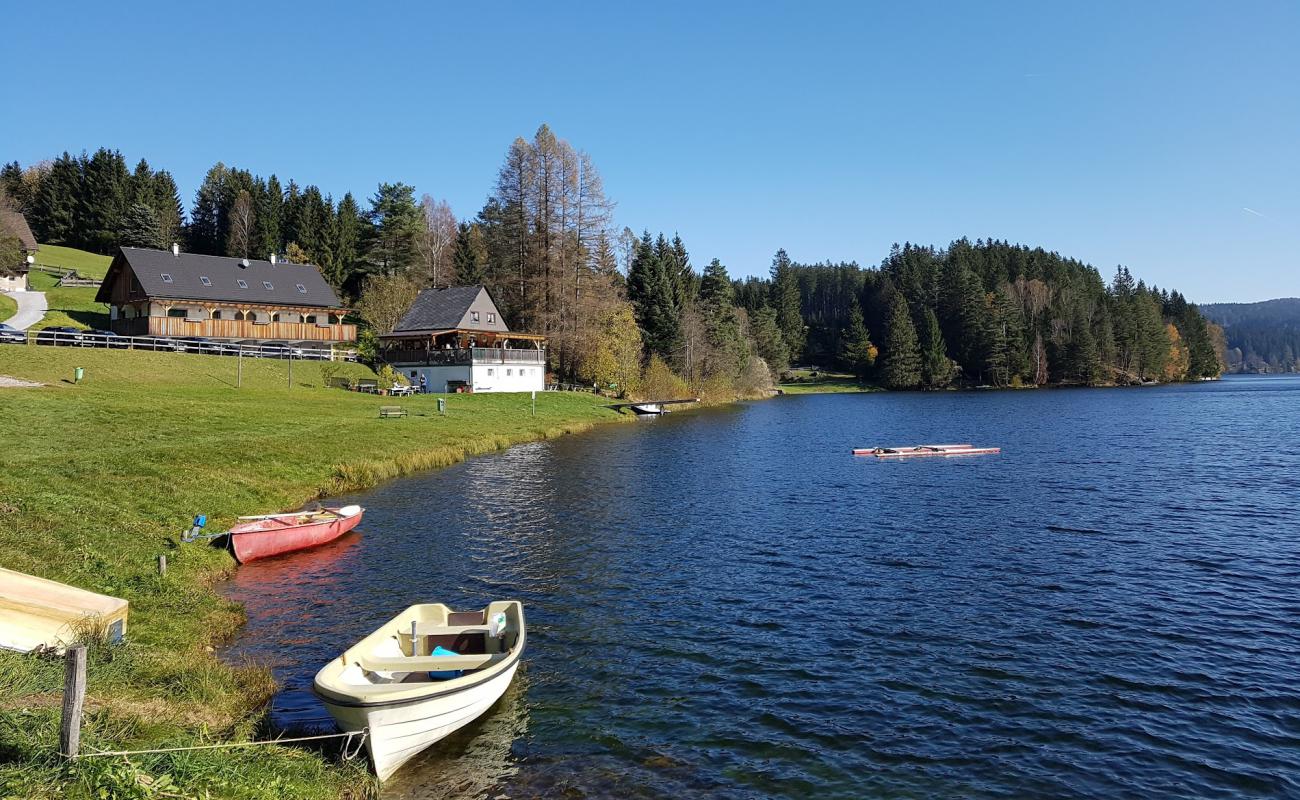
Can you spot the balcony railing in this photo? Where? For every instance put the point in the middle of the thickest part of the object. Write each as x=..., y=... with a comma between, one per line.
x=460, y=357
x=234, y=329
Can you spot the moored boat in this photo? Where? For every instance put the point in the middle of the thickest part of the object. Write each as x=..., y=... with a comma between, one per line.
x=922, y=450
x=421, y=676
x=272, y=534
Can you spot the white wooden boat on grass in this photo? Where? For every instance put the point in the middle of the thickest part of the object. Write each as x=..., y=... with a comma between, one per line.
x=421, y=676
x=35, y=612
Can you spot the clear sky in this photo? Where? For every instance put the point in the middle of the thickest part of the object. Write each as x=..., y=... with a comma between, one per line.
x=1161, y=135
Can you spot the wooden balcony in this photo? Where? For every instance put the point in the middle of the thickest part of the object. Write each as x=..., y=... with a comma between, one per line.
x=234, y=329
x=463, y=356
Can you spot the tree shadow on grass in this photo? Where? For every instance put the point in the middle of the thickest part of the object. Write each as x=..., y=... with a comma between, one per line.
x=91, y=319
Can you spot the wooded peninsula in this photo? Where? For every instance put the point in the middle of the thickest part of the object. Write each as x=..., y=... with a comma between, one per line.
x=631, y=313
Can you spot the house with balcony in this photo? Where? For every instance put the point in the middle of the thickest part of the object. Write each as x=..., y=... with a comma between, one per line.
x=456, y=339
x=13, y=277
x=175, y=294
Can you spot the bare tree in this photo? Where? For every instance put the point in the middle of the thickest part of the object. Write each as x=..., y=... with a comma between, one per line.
x=385, y=299
x=241, y=225
x=437, y=241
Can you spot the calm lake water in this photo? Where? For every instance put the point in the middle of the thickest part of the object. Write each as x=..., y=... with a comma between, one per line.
x=728, y=604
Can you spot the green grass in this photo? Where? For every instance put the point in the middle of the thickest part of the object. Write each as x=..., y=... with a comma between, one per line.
x=97, y=479
x=823, y=382
x=87, y=265
x=7, y=307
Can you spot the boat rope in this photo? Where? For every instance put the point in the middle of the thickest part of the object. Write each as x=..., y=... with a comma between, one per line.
x=349, y=752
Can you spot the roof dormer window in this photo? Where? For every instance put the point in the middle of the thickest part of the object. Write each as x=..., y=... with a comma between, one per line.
x=167, y=278
x=243, y=284
x=268, y=285
x=302, y=289
x=205, y=280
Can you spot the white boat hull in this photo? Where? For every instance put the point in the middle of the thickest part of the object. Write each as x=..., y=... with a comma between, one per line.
x=400, y=731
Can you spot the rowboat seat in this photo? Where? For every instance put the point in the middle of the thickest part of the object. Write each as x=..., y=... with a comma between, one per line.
x=428, y=663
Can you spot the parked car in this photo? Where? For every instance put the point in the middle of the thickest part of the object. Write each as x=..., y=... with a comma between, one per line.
x=11, y=335
x=100, y=338
x=195, y=344
x=59, y=336
x=311, y=352
x=273, y=350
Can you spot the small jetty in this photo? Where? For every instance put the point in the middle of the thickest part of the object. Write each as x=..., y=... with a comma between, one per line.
x=650, y=407
x=923, y=450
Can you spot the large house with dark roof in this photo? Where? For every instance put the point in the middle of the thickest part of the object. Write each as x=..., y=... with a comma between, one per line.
x=13, y=277
x=170, y=293
x=456, y=339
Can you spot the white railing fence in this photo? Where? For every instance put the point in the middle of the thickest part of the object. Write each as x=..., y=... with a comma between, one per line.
x=113, y=341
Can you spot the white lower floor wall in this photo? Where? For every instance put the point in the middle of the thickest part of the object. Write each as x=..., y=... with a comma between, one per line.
x=13, y=283
x=482, y=377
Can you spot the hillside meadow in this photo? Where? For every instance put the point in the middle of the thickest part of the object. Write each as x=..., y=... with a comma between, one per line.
x=97, y=479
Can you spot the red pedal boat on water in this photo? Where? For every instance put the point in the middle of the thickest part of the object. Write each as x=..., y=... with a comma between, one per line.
x=272, y=534
x=920, y=450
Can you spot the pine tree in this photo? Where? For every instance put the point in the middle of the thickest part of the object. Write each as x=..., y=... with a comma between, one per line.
x=103, y=200
x=726, y=352
x=858, y=354
x=653, y=292
x=268, y=206
x=471, y=256
x=349, y=231
x=140, y=228
x=902, y=359
x=936, y=367
x=787, y=303
x=167, y=207
x=207, y=217
x=768, y=343
x=54, y=209
x=396, y=220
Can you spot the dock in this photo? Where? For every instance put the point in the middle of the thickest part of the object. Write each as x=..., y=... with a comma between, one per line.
x=650, y=407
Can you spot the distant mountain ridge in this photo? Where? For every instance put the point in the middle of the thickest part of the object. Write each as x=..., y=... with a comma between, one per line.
x=1262, y=337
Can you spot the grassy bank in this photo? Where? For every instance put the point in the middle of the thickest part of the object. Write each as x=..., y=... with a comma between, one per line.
x=98, y=479
x=7, y=307
x=803, y=381
x=73, y=306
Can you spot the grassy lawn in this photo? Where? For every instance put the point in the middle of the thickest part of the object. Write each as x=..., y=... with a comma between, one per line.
x=87, y=265
x=7, y=307
x=72, y=306
x=805, y=381
x=97, y=479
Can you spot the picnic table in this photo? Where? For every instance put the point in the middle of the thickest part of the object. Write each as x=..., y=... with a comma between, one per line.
x=401, y=391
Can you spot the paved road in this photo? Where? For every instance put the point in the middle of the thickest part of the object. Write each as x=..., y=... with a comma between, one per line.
x=31, y=309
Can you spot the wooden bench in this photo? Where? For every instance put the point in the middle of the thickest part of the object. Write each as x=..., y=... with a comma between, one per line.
x=391, y=411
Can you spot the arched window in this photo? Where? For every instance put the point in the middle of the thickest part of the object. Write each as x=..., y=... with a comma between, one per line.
x=178, y=312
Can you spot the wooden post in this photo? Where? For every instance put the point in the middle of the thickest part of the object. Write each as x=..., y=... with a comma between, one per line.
x=162, y=564
x=239, y=369
x=74, y=698
x=290, y=369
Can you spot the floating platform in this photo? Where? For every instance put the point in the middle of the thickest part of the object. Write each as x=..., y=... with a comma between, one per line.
x=650, y=407
x=923, y=450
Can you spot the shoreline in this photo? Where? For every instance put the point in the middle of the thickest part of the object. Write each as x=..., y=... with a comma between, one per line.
x=167, y=687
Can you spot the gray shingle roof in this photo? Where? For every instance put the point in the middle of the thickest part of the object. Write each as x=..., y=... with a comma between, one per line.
x=181, y=277
x=441, y=309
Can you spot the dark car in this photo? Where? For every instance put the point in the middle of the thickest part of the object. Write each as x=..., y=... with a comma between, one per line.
x=273, y=350
x=311, y=352
x=195, y=344
x=60, y=336
x=11, y=335
x=99, y=338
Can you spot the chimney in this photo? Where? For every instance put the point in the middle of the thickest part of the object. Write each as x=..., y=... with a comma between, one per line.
x=243, y=262
x=273, y=259
x=176, y=249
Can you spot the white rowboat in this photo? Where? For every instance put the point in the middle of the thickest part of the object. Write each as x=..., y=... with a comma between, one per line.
x=395, y=685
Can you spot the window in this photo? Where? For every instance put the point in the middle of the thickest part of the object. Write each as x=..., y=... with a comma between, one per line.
x=492, y=317
x=268, y=285
x=177, y=312
x=205, y=280
x=302, y=289
x=166, y=278
x=473, y=315
x=509, y=372
x=243, y=284
x=489, y=372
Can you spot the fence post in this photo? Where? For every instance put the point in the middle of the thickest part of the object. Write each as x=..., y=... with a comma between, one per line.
x=239, y=369
x=162, y=564
x=74, y=699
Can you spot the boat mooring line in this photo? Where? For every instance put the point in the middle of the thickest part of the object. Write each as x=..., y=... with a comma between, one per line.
x=347, y=754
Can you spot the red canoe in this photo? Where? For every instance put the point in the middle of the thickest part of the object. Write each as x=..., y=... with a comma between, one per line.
x=273, y=534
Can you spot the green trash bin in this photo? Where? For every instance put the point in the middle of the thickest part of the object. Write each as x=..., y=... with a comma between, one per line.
x=78, y=374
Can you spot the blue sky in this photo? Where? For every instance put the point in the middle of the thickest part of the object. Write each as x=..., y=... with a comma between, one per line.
x=1161, y=135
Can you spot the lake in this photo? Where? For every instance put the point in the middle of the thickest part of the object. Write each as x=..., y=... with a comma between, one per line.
x=726, y=603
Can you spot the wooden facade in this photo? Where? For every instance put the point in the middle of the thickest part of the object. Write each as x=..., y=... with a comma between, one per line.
x=235, y=329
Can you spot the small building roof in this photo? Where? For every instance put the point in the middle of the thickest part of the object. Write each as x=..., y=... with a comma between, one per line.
x=13, y=223
x=448, y=309
x=191, y=276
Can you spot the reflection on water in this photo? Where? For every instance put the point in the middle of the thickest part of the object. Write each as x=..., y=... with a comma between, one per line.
x=727, y=604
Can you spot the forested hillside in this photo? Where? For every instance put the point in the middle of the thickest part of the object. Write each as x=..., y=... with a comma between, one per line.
x=633, y=313
x=1261, y=337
